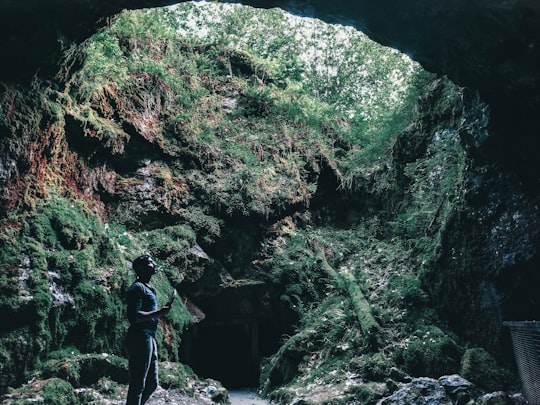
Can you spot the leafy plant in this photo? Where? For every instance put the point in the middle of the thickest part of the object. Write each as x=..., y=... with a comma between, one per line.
x=58, y=392
x=430, y=352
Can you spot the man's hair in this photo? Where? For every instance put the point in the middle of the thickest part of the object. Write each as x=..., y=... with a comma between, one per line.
x=140, y=263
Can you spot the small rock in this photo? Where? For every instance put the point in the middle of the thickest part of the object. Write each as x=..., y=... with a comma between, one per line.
x=218, y=395
x=420, y=391
x=496, y=398
x=399, y=375
x=460, y=390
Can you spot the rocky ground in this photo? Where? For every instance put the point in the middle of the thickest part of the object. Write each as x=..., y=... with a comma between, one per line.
x=110, y=393
x=447, y=390
x=115, y=394
x=246, y=397
x=161, y=396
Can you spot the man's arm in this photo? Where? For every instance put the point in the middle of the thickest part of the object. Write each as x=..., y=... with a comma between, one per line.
x=143, y=316
x=134, y=312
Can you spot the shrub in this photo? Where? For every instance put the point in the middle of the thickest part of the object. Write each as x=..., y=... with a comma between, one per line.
x=58, y=392
x=176, y=376
x=377, y=367
x=362, y=394
x=479, y=367
x=86, y=369
x=429, y=352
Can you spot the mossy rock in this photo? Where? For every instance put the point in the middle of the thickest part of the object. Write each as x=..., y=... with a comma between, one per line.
x=88, y=369
x=366, y=394
x=429, y=352
x=19, y=350
x=479, y=367
x=281, y=396
x=377, y=367
x=176, y=376
x=56, y=391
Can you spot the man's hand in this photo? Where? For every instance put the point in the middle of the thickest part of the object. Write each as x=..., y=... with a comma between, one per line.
x=164, y=310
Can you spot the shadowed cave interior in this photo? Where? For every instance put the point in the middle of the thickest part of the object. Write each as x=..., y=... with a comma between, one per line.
x=242, y=326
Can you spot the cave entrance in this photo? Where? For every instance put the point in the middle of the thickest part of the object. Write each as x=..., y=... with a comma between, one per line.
x=231, y=351
x=242, y=327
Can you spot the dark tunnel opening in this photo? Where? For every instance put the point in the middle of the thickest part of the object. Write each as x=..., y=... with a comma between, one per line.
x=242, y=326
x=230, y=352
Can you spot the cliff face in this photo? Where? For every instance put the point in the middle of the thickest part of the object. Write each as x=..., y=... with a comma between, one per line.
x=138, y=142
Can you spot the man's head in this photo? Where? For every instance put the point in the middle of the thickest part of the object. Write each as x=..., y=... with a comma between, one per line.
x=144, y=266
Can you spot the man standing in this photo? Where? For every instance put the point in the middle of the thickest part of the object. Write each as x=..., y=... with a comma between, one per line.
x=143, y=317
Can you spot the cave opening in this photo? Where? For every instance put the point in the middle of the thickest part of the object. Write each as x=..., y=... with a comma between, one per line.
x=230, y=351
x=242, y=327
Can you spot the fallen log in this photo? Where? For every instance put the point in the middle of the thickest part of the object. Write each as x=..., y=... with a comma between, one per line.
x=349, y=285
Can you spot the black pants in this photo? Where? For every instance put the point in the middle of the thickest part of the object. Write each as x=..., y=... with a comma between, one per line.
x=143, y=368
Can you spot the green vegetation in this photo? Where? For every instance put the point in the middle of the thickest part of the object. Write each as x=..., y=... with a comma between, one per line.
x=374, y=86
x=337, y=64
x=71, y=277
x=479, y=367
x=347, y=281
x=58, y=392
x=255, y=155
x=429, y=352
x=390, y=259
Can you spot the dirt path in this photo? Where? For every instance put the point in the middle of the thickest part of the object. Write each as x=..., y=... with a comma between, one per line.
x=246, y=397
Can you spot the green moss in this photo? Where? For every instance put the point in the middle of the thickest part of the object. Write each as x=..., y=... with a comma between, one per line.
x=65, y=369
x=58, y=392
x=321, y=352
x=376, y=367
x=207, y=227
x=85, y=369
x=42, y=303
x=362, y=308
x=61, y=247
x=363, y=394
x=169, y=246
x=480, y=368
x=19, y=352
x=100, y=327
x=429, y=352
x=177, y=376
x=10, y=262
x=64, y=352
x=59, y=222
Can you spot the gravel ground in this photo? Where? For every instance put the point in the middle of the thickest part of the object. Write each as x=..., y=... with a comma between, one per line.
x=115, y=394
x=246, y=397
x=162, y=396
